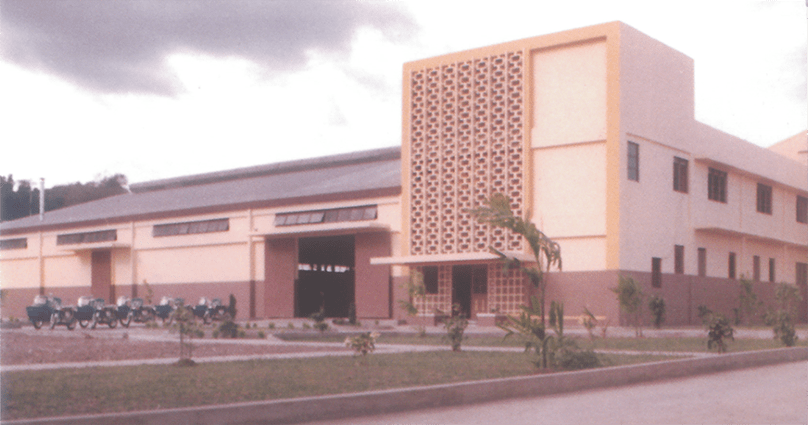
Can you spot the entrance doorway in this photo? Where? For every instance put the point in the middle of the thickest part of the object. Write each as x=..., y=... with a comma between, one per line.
x=325, y=276
x=101, y=276
x=470, y=289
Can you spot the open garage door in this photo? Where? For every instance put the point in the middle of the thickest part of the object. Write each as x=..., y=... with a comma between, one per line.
x=326, y=273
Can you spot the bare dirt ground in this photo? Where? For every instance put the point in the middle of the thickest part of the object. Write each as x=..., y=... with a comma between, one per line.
x=18, y=347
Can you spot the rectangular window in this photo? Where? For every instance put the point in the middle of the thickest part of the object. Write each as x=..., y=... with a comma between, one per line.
x=18, y=243
x=764, y=198
x=87, y=237
x=802, y=274
x=802, y=209
x=731, y=266
x=680, y=175
x=633, y=161
x=702, y=262
x=367, y=212
x=430, y=279
x=717, y=185
x=756, y=267
x=679, y=259
x=656, y=272
x=191, y=227
x=771, y=270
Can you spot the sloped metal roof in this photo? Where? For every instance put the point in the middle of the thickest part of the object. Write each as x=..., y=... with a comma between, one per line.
x=352, y=174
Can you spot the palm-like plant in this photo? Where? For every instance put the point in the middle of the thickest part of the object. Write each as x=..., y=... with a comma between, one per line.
x=497, y=212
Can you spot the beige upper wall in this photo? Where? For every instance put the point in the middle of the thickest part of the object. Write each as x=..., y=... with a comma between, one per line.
x=569, y=94
x=795, y=147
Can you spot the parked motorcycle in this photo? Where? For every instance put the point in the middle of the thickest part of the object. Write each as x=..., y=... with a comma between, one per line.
x=166, y=307
x=85, y=311
x=139, y=312
x=104, y=314
x=50, y=309
x=210, y=310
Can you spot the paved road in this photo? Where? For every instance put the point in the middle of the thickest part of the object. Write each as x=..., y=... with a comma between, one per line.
x=772, y=395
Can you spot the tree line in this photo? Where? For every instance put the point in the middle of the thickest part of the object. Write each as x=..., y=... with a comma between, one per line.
x=21, y=199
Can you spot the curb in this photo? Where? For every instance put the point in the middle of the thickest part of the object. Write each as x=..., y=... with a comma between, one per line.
x=388, y=401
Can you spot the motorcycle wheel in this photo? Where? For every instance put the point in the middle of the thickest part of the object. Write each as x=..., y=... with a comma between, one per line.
x=84, y=323
x=54, y=320
x=207, y=319
x=125, y=322
x=37, y=324
x=71, y=324
x=113, y=320
x=95, y=320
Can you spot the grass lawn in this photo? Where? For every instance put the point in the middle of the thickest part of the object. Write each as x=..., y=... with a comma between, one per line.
x=30, y=394
x=635, y=344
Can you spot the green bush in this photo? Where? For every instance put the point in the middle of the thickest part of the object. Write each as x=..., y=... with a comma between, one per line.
x=718, y=332
x=576, y=359
x=228, y=329
x=455, y=327
x=657, y=307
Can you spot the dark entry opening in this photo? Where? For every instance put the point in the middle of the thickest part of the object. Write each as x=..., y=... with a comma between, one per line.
x=470, y=289
x=325, y=276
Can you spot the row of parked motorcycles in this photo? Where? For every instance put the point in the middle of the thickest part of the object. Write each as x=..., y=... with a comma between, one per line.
x=91, y=311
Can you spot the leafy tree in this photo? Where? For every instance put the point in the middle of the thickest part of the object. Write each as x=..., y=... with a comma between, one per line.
x=23, y=200
x=748, y=302
x=497, y=212
x=782, y=319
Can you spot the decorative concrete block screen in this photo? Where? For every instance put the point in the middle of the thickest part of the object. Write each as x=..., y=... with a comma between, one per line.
x=466, y=143
x=506, y=290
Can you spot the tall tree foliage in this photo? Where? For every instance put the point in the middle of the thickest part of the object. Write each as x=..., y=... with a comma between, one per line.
x=21, y=199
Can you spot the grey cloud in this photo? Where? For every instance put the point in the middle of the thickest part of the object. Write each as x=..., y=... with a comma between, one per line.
x=120, y=45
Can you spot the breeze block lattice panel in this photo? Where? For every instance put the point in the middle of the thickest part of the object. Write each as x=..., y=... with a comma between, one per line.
x=466, y=143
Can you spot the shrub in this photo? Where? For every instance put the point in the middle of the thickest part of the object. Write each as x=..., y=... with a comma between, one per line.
x=455, y=327
x=228, y=329
x=589, y=322
x=629, y=295
x=782, y=320
x=319, y=321
x=718, y=331
x=262, y=335
x=363, y=343
x=271, y=325
x=576, y=359
x=657, y=307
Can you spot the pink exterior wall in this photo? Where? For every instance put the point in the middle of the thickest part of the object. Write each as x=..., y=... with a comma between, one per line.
x=372, y=282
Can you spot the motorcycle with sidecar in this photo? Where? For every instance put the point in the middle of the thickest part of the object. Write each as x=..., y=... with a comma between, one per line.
x=210, y=310
x=166, y=307
x=50, y=310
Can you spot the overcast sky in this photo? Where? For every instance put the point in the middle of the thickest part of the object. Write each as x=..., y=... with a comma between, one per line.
x=161, y=88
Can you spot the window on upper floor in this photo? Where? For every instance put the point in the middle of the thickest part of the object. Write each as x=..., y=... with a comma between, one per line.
x=633, y=161
x=680, y=175
x=18, y=243
x=764, y=198
x=802, y=209
x=717, y=185
x=191, y=227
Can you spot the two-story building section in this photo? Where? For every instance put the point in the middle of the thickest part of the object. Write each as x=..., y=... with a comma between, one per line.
x=592, y=135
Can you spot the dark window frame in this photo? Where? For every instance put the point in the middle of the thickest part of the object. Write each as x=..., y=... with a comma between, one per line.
x=87, y=237
x=702, y=262
x=679, y=259
x=731, y=265
x=802, y=209
x=191, y=227
x=756, y=267
x=633, y=158
x=680, y=179
x=772, y=270
x=656, y=272
x=717, y=185
x=336, y=215
x=16, y=243
x=764, y=198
